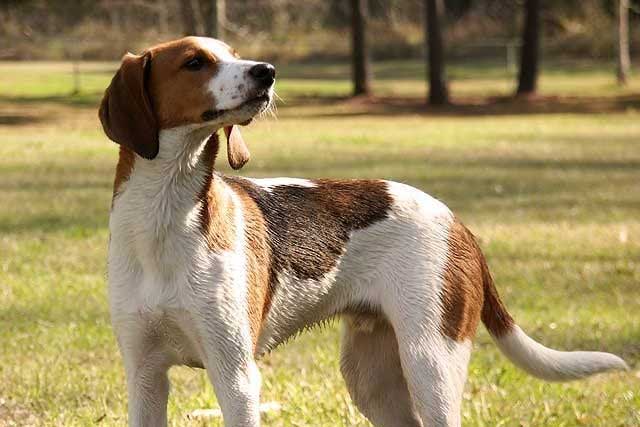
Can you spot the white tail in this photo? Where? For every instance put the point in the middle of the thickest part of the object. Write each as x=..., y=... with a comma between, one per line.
x=554, y=365
x=531, y=356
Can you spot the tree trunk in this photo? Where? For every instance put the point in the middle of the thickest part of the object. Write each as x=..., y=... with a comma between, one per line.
x=164, y=17
x=192, y=24
x=530, y=50
x=360, y=49
x=214, y=14
x=438, y=92
x=624, y=60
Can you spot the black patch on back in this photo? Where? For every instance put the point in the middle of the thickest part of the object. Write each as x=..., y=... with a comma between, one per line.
x=309, y=227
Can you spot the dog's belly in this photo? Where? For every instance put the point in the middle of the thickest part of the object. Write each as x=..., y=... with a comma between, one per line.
x=297, y=305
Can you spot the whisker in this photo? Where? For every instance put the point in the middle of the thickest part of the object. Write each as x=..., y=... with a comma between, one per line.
x=273, y=106
x=270, y=110
x=273, y=110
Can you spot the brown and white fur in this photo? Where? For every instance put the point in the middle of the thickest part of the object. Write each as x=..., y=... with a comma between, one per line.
x=212, y=271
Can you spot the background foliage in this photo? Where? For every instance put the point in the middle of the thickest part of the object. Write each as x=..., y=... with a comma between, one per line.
x=294, y=30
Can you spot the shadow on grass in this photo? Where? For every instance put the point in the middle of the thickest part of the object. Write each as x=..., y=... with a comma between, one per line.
x=458, y=69
x=383, y=106
x=85, y=99
x=19, y=119
x=470, y=106
x=513, y=166
x=93, y=220
x=23, y=318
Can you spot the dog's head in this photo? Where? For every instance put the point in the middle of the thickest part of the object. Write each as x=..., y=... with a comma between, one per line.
x=196, y=82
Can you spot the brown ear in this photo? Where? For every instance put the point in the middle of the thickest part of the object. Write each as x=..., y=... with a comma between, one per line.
x=237, y=151
x=126, y=112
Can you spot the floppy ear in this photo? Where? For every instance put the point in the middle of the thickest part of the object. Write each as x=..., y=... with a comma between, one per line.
x=126, y=112
x=237, y=151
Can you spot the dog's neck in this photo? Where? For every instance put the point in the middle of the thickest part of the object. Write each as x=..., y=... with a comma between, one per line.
x=185, y=158
x=184, y=152
x=174, y=182
x=161, y=201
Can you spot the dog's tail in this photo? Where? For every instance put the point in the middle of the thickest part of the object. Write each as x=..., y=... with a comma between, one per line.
x=531, y=356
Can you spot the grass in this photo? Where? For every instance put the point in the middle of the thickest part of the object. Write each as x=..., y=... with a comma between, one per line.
x=551, y=188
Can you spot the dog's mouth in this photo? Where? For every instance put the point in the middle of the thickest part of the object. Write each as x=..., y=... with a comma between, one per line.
x=244, y=113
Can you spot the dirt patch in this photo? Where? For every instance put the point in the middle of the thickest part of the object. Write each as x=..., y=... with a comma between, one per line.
x=13, y=414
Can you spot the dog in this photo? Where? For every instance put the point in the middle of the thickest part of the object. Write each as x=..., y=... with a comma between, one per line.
x=211, y=271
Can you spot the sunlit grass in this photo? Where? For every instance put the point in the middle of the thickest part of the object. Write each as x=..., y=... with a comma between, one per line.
x=553, y=197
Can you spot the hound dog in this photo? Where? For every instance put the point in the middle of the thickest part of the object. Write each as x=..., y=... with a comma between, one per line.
x=211, y=271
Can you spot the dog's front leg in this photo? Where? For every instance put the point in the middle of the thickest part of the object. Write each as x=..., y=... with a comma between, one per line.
x=231, y=367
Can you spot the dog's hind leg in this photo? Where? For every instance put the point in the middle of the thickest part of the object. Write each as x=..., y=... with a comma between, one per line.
x=370, y=365
x=436, y=371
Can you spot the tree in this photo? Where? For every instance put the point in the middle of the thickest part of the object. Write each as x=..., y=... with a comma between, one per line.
x=624, y=60
x=530, y=50
x=359, y=48
x=438, y=92
x=192, y=24
x=214, y=13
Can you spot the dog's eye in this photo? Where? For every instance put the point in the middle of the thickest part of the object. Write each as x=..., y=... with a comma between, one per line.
x=194, y=64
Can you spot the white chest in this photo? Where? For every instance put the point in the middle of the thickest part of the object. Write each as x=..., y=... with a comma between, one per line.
x=152, y=264
x=156, y=251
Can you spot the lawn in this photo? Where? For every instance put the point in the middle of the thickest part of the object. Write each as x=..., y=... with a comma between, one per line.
x=550, y=187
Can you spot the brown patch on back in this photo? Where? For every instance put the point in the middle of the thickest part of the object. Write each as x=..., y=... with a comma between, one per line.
x=468, y=292
x=180, y=96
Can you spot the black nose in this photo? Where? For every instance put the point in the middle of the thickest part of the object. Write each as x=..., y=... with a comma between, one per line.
x=264, y=73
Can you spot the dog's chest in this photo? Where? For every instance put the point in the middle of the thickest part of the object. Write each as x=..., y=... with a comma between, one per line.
x=171, y=330
x=155, y=251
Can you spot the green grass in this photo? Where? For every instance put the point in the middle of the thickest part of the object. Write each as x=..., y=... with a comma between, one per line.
x=551, y=188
